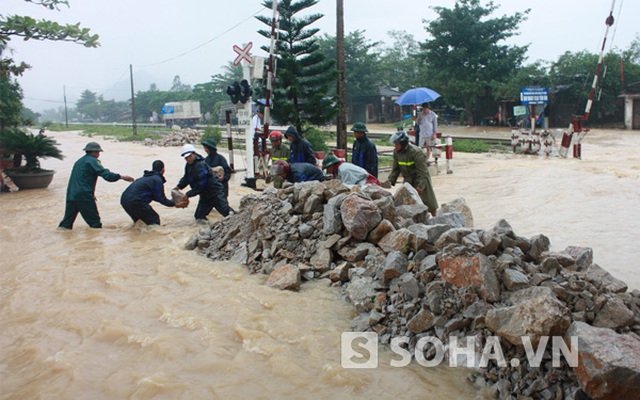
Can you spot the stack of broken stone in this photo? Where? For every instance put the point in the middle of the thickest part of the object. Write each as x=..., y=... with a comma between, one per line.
x=177, y=137
x=412, y=275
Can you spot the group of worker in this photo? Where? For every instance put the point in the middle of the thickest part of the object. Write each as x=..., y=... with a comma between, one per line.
x=408, y=160
x=209, y=177
x=199, y=173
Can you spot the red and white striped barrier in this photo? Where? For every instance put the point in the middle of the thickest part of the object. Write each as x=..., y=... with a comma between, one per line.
x=449, y=153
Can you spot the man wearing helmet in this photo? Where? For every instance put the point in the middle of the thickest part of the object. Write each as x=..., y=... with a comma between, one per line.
x=82, y=188
x=347, y=173
x=410, y=161
x=364, y=153
x=203, y=182
x=296, y=172
x=278, y=151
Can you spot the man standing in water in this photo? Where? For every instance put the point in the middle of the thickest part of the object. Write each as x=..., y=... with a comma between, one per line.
x=204, y=183
x=82, y=188
x=137, y=197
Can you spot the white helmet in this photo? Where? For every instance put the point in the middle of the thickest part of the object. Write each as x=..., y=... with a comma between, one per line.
x=187, y=149
x=400, y=136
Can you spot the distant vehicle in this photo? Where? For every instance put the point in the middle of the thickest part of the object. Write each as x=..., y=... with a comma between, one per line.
x=181, y=113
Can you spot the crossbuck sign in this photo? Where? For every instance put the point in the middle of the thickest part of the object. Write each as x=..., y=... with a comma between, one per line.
x=243, y=53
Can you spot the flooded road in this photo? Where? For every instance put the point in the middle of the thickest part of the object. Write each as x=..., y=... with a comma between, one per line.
x=126, y=313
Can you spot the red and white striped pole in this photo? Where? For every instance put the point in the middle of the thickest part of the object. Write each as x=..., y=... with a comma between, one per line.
x=449, y=153
x=576, y=120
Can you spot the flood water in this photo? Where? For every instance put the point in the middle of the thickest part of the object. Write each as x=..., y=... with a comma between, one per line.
x=125, y=313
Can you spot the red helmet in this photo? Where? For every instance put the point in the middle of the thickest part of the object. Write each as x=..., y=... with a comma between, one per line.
x=280, y=167
x=275, y=135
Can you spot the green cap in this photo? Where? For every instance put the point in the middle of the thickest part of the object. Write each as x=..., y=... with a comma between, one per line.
x=92, y=146
x=329, y=161
x=210, y=143
x=359, y=127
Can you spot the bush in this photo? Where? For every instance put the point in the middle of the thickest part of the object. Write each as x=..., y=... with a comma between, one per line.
x=213, y=133
x=317, y=138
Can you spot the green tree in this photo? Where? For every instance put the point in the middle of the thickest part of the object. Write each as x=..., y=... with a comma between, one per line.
x=574, y=71
x=178, y=86
x=305, y=76
x=208, y=94
x=30, y=28
x=400, y=62
x=361, y=63
x=87, y=105
x=467, y=56
x=10, y=101
x=230, y=73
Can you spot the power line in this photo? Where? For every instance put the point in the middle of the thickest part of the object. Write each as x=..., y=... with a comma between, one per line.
x=203, y=44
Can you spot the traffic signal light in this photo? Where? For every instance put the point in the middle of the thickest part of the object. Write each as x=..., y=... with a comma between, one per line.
x=245, y=91
x=234, y=92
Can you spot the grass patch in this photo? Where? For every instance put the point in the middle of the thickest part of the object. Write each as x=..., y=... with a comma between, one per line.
x=122, y=133
x=470, y=146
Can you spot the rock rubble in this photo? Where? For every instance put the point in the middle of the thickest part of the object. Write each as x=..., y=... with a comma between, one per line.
x=177, y=137
x=411, y=275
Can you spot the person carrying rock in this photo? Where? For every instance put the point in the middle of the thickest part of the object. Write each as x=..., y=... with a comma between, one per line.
x=214, y=159
x=137, y=197
x=365, y=153
x=203, y=182
x=410, y=161
x=347, y=173
x=300, y=149
x=297, y=172
x=82, y=188
x=278, y=151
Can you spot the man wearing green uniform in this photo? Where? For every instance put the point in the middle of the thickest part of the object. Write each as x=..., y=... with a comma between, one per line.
x=409, y=161
x=82, y=187
x=277, y=152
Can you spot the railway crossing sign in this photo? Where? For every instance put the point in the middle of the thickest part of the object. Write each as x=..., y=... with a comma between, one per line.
x=244, y=117
x=243, y=53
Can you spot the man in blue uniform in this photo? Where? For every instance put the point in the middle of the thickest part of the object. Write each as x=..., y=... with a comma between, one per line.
x=214, y=159
x=82, y=188
x=137, y=197
x=364, y=154
x=296, y=172
x=204, y=183
x=300, y=150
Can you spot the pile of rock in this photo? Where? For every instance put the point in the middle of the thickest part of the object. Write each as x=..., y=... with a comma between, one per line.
x=409, y=275
x=177, y=137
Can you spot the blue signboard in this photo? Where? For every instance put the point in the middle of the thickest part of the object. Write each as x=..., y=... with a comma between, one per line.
x=167, y=109
x=534, y=96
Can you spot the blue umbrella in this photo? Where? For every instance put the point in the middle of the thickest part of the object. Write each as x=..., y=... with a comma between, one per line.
x=417, y=96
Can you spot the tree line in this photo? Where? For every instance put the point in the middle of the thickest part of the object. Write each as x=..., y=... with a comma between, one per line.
x=464, y=57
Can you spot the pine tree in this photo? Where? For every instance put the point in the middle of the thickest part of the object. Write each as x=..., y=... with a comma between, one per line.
x=304, y=75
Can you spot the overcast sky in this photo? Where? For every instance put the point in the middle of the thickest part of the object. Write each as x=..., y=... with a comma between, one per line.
x=195, y=38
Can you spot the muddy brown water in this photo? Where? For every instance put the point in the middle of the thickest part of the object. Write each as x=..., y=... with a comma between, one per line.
x=125, y=312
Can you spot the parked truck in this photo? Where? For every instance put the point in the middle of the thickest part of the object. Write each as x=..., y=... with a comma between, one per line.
x=181, y=113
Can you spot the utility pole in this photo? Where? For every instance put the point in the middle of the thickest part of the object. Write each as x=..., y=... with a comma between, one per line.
x=133, y=103
x=341, y=125
x=66, y=117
